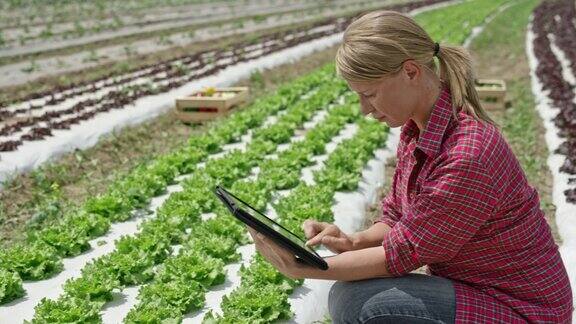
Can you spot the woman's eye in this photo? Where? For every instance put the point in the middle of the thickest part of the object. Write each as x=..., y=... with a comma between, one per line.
x=366, y=96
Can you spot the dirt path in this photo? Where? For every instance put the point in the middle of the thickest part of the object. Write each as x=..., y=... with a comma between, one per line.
x=503, y=42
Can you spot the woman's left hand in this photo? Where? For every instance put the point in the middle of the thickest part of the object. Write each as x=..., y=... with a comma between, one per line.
x=279, y=257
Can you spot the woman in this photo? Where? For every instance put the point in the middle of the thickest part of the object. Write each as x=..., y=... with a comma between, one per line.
x=459, y=203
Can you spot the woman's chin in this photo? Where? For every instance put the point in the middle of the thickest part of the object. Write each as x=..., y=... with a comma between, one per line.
x=388, y=122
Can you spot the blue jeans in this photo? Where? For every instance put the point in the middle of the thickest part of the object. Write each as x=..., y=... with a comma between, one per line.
x=413, y=298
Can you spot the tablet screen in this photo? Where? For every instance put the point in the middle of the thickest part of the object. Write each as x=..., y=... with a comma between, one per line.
x=272, y=224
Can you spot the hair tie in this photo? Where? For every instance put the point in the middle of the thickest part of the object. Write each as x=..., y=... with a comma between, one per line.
x=436, y=49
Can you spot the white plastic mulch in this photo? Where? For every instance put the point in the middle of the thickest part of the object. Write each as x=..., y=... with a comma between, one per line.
x=565, y=211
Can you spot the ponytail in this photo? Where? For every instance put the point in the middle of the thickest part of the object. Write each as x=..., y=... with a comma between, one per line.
x=377, y=43
x=456, y=70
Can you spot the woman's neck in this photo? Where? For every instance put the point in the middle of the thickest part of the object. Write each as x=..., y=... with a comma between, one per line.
x=430, y=93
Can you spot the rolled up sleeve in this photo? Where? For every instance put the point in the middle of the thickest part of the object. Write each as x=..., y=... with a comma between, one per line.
x=455, y=200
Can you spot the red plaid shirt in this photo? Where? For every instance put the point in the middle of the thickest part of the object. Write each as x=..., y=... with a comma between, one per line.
x=460, y=203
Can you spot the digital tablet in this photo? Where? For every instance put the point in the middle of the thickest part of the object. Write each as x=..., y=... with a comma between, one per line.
x=263, y=224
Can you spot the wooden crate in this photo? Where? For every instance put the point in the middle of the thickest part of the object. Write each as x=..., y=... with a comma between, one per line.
x=492, y=93
x=197, y=108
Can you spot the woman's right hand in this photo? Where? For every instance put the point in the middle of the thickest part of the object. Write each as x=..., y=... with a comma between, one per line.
x=328, y=235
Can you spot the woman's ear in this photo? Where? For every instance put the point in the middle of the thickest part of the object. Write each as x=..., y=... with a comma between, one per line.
x=411, y=69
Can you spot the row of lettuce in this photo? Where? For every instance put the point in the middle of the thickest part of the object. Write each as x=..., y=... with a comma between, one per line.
x=170, y=300
x=205, y=245
x=178, y=286
x=263, y=294
x=40, y=256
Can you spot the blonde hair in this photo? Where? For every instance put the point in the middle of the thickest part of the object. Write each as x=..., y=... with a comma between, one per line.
x=379, y=42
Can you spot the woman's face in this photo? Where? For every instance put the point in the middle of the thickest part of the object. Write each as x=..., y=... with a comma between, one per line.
x=392, y=99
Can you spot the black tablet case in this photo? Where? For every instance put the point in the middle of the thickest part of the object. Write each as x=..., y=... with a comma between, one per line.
x=301, y=254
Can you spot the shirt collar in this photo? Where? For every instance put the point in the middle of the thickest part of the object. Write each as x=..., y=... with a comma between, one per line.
x=430, y=140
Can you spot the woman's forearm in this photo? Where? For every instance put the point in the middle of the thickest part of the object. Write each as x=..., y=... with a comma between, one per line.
x=352, y=265
x=366, y=260
x=371, y=237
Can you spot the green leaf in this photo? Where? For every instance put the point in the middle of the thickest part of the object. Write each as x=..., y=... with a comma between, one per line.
x=67, y=241
x=187, y=296
x=131, y=268
x=217, y=246
x=226, y=225
x=154, y=312
x=257, y=304
x=192, y=265
x=95, y=284
x=32, y=261
x=112, y=205
x=10, y=286
x=261, y=273
x=67, y=310
x=154, y=246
